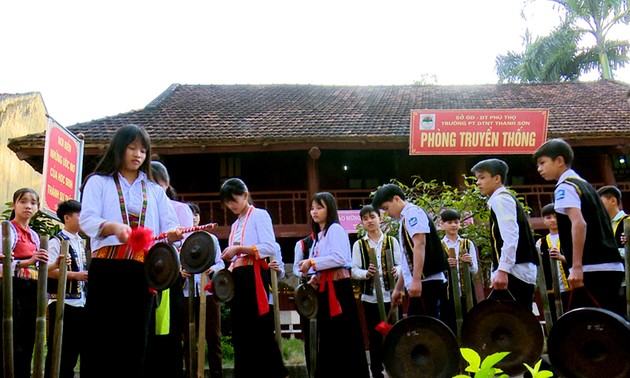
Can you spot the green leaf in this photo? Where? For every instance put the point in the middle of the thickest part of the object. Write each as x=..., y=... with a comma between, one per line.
x=472, y=358
x=493, y=359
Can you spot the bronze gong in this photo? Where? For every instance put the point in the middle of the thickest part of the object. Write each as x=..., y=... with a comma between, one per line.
x=495, y=325
x=590, y=342
x=161, y=266
x=421, y=346
x=306, y=301
x=223, y=285
x=198, y=252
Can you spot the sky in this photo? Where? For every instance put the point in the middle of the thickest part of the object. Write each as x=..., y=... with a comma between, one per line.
x=92, y=59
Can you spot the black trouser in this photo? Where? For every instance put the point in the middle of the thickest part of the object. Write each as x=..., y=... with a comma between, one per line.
x=165, y=354
x=372, y=319
x=72, y=340
x=520, y=291
x=604, y=287
x=24, y=315
x=118, y=308
x=428, y=303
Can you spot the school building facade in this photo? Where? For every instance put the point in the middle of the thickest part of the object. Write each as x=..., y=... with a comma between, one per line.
x=290, y=141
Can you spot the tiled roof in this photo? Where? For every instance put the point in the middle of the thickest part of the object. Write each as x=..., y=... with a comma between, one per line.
x=215, y=115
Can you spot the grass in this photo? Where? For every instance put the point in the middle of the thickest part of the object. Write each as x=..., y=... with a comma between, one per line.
x=292, y=351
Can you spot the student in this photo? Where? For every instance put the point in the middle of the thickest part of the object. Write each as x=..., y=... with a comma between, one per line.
x=27, y=254
x=549, y=248
x=514, y=259
x=364, y=271
x=465, y=254
x=585, y=232
x=165, y=353
x=423, y=260
x=119, y=195
x=251, y=241
x=213, y=309
x=196, y=212
x=74, y=314
x=611, y=198
x=340, y=351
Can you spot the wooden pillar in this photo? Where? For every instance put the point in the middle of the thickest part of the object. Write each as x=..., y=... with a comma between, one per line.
x=605, y=167
x=458, y=169
x=312, y=172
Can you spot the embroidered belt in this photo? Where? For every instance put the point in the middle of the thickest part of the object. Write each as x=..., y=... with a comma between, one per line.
x=336, y=273
x=242, y=261
x=28, y=273
x=119, y=252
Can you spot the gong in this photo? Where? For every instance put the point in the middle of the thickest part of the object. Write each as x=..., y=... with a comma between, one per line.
x=421, y=346
x=198, y=252
x=590, y=342
x=306, y=301
x=161, y=266
x=223, y=285
x=495, y=325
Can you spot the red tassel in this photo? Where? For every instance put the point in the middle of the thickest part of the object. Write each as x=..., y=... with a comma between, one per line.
x=141, y=239
x=208, y=286
x=383, y=328
x=333, y=303
x=261, y=294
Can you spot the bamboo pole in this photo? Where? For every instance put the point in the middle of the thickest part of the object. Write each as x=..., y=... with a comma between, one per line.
x=467, y=283
x=201, y=349
x=454, y=283
x=389, y=259
x=276, y=307
x=556, y=287
x=192, y=339
x=7, y=300
x=544, y=295
x=39, y=358
x=61, y=298
x=378, y=289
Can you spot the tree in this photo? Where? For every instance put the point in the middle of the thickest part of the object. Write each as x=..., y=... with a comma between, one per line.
x=558, y=57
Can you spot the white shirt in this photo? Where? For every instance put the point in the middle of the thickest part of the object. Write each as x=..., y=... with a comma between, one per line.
x=474, y=267
x=76, y=243
x=416, y=221
x=504, y=207
x=359, y=273
x=100, y=203
x=333, y=249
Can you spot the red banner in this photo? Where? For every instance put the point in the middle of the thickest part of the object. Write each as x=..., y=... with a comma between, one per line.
x=63, y=160
x=477, y=132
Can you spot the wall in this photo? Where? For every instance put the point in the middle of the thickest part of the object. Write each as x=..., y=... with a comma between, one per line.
x=20, y=114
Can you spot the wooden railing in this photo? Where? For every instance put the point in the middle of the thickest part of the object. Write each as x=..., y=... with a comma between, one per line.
x=292, y=207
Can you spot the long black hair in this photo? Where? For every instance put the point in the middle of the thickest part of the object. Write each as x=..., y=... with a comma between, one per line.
x=328, y=201
x=113, y=159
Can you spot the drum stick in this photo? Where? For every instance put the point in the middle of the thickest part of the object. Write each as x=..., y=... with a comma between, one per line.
x=39, y=358
x=61, y=298
x=7, y=300
x=187, y=230
x=201, y=349
x=378, y=289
